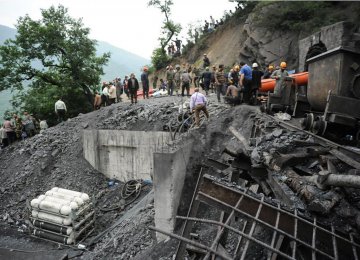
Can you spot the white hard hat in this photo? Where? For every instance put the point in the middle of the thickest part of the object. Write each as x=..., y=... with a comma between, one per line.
x=255, y=65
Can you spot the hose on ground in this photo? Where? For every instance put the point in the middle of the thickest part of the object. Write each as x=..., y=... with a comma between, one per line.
x=129, y=193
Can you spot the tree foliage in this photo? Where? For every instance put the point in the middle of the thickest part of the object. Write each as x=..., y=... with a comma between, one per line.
x=54, y=57
x=169, y=28
x=159, y=59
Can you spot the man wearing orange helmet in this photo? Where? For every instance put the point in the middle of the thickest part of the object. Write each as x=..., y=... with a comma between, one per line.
x=280, y=76
x=145, y=82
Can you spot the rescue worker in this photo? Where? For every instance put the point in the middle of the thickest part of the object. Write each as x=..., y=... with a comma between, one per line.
x=268, y=72
x=198, y=104
x=133, y=86
x=280, y=76
x=145, y=83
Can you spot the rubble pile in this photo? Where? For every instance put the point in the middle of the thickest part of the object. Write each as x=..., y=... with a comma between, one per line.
x=55, y=159
x=294, y=168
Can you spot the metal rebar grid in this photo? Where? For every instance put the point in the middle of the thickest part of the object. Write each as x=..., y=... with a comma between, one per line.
x=288, y=225
x=296, y=237
x=191, y=242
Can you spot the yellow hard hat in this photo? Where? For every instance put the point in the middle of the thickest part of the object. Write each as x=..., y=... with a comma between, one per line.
x=283, y=65
x=271, y=67
x=237, y=67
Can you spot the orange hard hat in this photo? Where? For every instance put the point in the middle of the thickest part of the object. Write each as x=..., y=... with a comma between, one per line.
x=283, y=65
x=145, y=68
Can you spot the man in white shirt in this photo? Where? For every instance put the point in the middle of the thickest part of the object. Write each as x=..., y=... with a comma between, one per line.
x=60, y=110
x=112, y=94
x=198, y=103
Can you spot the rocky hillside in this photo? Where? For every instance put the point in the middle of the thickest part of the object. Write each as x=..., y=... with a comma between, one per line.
x=268, y=33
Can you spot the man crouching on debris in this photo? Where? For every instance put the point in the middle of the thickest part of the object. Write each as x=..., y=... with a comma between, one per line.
x=197, y=104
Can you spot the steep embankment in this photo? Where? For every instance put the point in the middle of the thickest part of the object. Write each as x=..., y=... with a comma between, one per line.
x=270, y=33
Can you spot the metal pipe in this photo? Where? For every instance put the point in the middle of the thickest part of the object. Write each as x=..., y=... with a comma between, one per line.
x=191, y=242
x=340, y=180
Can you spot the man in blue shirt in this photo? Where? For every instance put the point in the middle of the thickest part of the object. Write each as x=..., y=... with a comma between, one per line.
x=245, y=81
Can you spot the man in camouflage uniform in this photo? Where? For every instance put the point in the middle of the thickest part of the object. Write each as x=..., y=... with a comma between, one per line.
x=177, y=79
x=170, y=75
x=219, y=81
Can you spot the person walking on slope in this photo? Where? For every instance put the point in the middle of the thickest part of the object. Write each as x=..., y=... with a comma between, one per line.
x=145, y=82
x=60, y=110
x=133, y=85
x=198, y=104
x=206, y=61
x=219, y=81
x=170, y=75
x=185, y=83
x=280, y=76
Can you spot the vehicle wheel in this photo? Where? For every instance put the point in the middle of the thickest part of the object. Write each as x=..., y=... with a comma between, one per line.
x=307, y=122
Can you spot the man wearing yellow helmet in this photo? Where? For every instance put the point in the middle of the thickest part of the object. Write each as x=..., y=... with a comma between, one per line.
x=280, y=76
x=268, y=72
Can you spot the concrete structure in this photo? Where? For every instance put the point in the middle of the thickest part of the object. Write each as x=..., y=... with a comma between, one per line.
x=121, y=154
x=169, y=176
x=332, y=36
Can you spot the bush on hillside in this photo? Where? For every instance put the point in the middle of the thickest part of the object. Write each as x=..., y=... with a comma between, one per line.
x=159, y=59
x=304, y=16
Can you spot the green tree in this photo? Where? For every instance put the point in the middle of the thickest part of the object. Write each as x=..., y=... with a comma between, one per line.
x=53, y=56
x=169, y=28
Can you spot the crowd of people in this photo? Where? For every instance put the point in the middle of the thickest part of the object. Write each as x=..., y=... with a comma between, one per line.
x=19, y=128
x=238, y=84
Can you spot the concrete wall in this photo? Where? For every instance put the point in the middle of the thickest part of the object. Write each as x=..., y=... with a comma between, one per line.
x=169, y=176
x=333, y=36
x=121, y=154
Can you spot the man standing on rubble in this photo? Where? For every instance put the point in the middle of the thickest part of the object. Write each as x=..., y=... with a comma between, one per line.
x=177, y=79
x=170, y=75
x=245, y=81
x=133, y=85
x=219, y=81
x=280, y=76
x=145, y=82
x=206, y=79
x=198, y=104
x=60, y=110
